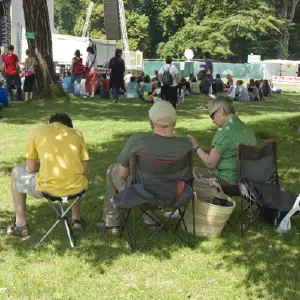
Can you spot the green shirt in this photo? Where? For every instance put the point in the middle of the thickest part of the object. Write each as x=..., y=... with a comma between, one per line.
x=226, y=142
x=154, y=145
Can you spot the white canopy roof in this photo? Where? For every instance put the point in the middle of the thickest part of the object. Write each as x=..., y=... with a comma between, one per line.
x=281, y=61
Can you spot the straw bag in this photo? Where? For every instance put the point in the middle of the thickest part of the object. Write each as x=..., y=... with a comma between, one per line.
x=210, y=219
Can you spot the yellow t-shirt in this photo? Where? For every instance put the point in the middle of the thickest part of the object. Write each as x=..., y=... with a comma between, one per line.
x=61, y=151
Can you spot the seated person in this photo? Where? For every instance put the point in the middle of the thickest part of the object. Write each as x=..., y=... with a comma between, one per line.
x=156, y=95
x=145, y=87
x=67, y=83
x=218, y=84
x=230, y=92
x=241, y=92
x=155, y=78
x=132, y=88
x=220, y=160
x=257, y=94
x=56, y=164
x=195, y=88
x=266, y=89
x=229, y=82
x=160, y=144
x=185, y=85
x=250, y=86
x=105, y=87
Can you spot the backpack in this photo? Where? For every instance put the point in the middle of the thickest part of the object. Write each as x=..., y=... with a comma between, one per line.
x=78, y=67
x=167, y=78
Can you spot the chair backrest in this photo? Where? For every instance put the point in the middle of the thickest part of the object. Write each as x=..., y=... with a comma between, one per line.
x=147, y=169
x=258, y=163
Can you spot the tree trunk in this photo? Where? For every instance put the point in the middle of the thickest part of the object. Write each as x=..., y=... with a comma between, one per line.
x=37, y=21
x=286, y=14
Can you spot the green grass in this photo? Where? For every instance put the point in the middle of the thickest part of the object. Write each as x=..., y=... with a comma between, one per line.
x=264, y=265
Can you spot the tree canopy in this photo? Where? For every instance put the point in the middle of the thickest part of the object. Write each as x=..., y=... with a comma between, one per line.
x=229, y=29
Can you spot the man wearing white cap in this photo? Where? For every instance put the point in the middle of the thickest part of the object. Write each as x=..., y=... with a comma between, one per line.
x=160, y=144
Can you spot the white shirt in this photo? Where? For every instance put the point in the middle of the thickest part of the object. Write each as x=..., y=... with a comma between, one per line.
x=232, y=93
x=127, y=78
x=173, y=71
x=91, y=61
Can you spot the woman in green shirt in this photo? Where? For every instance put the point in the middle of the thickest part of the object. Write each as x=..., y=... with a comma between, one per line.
x=220, y=160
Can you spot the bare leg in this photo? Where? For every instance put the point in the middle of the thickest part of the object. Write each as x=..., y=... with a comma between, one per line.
x=19, y=202
x=26, y=96
x=30, y=95
x=76, y=211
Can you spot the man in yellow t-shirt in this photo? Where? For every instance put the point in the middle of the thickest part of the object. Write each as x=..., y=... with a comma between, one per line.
x=56, y=163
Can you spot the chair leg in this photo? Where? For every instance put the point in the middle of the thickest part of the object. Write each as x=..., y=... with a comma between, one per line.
x=126, y=229
x=190, y=244
x=60, y=217
x=70, y=233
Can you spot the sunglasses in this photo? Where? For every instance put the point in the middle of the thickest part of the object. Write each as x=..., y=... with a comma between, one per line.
x=212, y=116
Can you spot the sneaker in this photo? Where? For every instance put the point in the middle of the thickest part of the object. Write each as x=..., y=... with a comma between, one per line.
x=176, y=215
x=115, y=100
x=114, y=230
x=201, y=107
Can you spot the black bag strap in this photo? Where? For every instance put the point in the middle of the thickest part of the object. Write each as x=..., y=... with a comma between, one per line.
x=93, y=61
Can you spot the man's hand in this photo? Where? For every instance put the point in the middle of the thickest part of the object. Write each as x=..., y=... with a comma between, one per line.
x=193, y=140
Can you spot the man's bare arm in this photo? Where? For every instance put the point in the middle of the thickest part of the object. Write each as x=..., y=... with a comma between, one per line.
x=32, y=165
x=85, y=167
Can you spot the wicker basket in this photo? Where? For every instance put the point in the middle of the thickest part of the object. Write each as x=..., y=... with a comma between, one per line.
x=210, y=219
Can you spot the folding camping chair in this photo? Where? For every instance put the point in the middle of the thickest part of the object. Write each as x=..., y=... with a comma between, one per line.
x=161, y=180
x=62, y=216
x=258, y=164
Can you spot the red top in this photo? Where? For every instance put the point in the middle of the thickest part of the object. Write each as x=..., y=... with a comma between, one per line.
x=10, y=61
x=106, y=84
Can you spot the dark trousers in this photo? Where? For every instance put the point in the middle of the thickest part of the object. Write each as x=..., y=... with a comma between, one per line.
x=28, y=83
x=169, y=93
x=16, y=79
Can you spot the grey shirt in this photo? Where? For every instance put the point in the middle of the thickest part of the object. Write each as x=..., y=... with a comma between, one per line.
x=156, y=146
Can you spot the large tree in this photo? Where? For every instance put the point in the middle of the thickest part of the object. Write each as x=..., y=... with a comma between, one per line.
x=37, y=21
x=287, y=10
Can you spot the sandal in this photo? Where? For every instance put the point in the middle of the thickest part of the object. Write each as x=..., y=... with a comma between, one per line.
x=78, y=224
x=12, y=229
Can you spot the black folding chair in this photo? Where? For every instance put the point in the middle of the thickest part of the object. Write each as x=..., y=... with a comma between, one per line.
x=159, y=180
x=258, y=164
x=62, y=216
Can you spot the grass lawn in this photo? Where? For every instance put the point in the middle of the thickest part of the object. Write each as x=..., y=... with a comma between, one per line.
x=264, y=265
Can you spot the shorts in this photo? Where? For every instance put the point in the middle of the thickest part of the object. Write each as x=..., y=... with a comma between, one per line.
x=25, y=182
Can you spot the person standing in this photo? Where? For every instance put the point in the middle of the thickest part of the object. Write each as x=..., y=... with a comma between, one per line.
x=209, y=69
x=168, y=75
x=77, y=69
x=91, y=74
x=117, y=67
x=30, y=65
x=10, y=68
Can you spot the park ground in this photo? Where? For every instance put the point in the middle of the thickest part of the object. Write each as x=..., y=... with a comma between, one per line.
x=263, y=265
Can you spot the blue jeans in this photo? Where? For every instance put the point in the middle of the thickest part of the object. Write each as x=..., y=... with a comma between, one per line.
x=115, y=91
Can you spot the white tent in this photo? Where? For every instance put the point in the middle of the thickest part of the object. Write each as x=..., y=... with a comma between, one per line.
x=279, y=67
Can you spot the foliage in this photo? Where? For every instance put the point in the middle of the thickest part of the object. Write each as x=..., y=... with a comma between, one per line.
x=229, y=29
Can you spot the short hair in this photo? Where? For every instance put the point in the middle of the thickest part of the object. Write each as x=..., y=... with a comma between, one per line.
x=104, y=75
x=169, y=59
x=207, y=55
x=77, y=53
x=240, y=82
x=194, y=79
x=225, y=103
x=251, y=81
x=218, y=76
x=132, y=79
x=62, y=118
x=156, y=72
x=10, y=48
x=118, y=52
x=90, y=49
x=69, y=73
